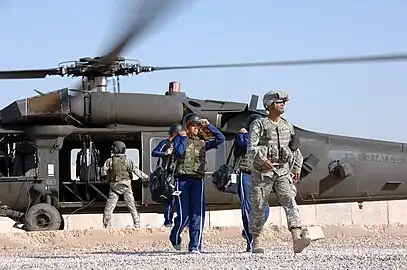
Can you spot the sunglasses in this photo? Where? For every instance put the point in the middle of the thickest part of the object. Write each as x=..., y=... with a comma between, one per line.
x=280, y=101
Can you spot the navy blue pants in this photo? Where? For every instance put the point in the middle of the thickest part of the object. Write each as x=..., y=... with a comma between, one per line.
x=243, y=191
x=168, y=214
x=190, y=208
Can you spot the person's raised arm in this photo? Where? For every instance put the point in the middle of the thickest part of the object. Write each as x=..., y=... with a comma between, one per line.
x=158, y=151
x=242, y=139
x=217, y=140
x=180, y=145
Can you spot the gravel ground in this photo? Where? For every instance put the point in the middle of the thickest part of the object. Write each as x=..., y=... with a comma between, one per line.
x=356, y=248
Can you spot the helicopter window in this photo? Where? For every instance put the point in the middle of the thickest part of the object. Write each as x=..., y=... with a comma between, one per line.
x=74, y=153
x=24, y=159
x=132, y=153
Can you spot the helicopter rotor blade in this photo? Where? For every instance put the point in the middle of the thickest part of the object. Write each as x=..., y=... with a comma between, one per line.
x=145, y=16
x=28, y=74
x=323, y=61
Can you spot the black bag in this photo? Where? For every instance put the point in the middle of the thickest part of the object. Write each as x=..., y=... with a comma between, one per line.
x=162, y=183
x=221, y=178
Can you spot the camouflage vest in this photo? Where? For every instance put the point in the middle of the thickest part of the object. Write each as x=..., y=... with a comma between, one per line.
x=275, y=139
x=119, y=170
x=194, y=161
x=245, y=164
x=241, y=156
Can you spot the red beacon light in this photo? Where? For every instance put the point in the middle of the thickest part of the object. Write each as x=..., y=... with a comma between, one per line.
x=174, y=89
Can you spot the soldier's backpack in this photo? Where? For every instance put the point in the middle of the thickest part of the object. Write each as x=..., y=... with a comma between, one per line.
x=224, y=179
x=162, y=182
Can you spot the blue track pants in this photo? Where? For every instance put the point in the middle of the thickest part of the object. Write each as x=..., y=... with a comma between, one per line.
x=243, y=191
x=190, y=208
x=168, y=214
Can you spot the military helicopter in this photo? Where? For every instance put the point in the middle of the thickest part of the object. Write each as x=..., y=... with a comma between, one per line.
x=40, y=134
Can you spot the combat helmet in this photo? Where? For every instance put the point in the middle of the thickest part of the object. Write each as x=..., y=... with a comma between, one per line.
x=175, y=128
x=250, y=120
x=272, y=97
x=118, y=147
x=190, y=118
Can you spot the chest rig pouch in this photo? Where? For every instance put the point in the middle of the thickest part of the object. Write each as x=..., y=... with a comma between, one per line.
x=279, y=138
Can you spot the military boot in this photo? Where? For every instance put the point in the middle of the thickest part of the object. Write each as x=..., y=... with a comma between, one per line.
x=257, y=248
x=136, y=219
x=107, y=224
x=301, y=240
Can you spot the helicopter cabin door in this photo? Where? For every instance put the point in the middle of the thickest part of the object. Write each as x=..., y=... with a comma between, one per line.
x=214, y=159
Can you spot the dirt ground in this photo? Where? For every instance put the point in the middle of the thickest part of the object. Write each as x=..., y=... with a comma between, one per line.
x=132, y=238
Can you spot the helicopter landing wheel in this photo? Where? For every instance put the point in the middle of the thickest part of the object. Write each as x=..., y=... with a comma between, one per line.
x=42, y=217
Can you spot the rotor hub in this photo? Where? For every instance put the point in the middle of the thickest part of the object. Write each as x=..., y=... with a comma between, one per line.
x=91, y=67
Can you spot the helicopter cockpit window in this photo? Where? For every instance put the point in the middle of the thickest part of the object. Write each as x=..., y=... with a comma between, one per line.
x=25, y=162
x=132, y=153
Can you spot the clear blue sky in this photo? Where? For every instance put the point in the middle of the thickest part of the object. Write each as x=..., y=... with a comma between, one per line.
x=367, y=100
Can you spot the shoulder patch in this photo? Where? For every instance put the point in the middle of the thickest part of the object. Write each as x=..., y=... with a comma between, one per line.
x=259, y=121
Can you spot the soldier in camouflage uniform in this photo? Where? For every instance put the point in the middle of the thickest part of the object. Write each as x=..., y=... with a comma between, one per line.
x=273, y=161
x=242, y=163
x=119, y=171
x=190, y=151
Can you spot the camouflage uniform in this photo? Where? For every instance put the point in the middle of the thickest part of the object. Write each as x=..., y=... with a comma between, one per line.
x=244, y=183
x=268, y=140
x=119, y=171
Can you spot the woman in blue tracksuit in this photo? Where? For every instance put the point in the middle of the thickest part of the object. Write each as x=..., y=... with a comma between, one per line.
x=164, y=150
x=243, y=183
x=190, y=150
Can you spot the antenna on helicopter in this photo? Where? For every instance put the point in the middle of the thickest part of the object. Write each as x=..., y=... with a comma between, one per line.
x=253, y=102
